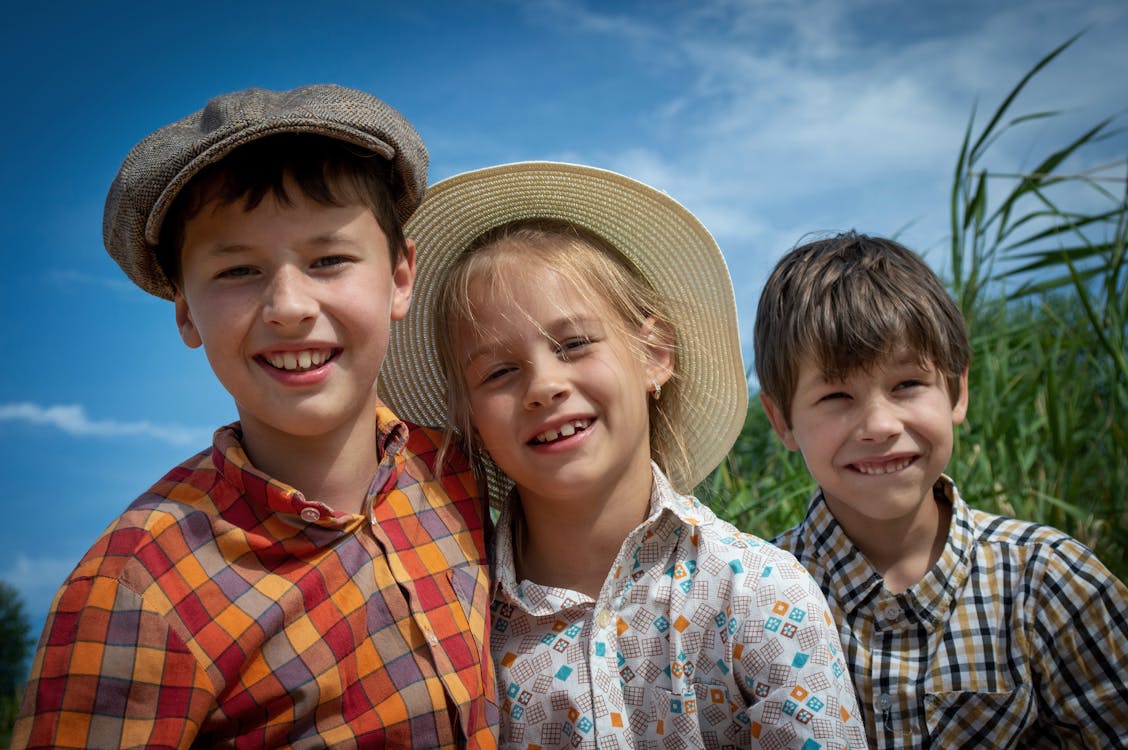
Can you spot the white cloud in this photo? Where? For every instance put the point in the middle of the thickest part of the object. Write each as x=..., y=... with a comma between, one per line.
x=782, y=118
x=788, y=109
x=71, y=277
x=795, y=117
x=73, y=420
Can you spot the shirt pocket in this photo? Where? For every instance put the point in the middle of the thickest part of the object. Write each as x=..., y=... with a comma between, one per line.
x=702, y=715
x=962, y=718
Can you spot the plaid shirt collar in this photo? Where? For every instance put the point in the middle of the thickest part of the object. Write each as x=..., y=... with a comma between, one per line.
x=263, y=491
x=858, y=583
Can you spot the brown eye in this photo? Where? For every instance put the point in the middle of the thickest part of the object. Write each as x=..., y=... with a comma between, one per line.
x=235, y=273
x=573, y=346
x=496, y=373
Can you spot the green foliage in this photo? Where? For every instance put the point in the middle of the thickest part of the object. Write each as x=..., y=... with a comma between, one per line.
x=761, y=487
x=1040, y=273
x=15, y=646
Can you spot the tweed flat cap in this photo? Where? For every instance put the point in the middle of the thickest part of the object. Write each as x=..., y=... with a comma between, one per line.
x=159, y=167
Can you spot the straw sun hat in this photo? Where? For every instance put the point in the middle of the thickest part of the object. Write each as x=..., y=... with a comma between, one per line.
x=665, y=243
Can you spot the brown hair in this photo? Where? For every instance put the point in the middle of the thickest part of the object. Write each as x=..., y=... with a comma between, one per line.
x=328, y=171
x=599, y=273
x=848, y=303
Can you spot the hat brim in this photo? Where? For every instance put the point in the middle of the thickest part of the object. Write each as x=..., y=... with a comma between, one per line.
x=672, y=250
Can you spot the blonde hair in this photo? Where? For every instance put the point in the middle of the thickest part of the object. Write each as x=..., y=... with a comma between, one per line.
x=600, y=274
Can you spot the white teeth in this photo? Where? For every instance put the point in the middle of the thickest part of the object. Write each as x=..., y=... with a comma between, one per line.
x=566, y=430
x=298, y=360
x=883, y=468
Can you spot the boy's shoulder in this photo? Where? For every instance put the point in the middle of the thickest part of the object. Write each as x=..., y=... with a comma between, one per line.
x=792, y=539
x=819, y=533
x=816, y=534
x=446, y=464
x=985, y=541
x=992, y=528
x=424, y=443
x=162, y=516
x=1004, y=543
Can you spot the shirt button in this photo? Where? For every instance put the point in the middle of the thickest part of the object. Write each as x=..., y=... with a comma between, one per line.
x=892, y=612
x=884, y=701
x=310, y=514
x=431, y=638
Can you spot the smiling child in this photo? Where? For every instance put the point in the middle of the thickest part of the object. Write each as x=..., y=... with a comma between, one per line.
x=586, y=331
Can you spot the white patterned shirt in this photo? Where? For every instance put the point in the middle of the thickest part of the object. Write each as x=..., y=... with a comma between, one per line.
x=1017, y=637
x=701, y=637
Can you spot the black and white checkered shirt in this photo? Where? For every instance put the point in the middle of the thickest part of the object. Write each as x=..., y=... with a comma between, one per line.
x=1017, y=637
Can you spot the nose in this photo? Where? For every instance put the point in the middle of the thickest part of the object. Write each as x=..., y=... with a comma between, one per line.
x=288, y=299
x=879, y=421
x=547, y=383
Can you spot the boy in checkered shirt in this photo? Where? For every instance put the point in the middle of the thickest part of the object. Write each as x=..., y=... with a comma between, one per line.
x=961, y=628
x=312, y=579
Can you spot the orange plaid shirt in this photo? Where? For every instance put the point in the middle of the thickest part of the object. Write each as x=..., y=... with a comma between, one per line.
x=223, y=608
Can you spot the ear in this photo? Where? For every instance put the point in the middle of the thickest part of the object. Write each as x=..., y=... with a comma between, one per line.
x=188, y=332
x=779, y=422
x=959, y=408
x=403, y=281
x=659, y=342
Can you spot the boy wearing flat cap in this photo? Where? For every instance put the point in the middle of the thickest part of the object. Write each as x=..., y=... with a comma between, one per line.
x=312, y=579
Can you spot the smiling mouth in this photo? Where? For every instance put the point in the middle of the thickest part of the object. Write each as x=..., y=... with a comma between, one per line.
x=307, y=359
x=568, y=429
x=877, y=468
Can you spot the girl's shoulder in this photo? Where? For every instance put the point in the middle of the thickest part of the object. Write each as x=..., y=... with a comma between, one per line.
x=718, y=539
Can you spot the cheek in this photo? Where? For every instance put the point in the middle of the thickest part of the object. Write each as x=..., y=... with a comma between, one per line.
x=485, y=411
x=812, y=444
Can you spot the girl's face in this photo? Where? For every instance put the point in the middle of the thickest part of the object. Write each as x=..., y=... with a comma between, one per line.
x=557, y=393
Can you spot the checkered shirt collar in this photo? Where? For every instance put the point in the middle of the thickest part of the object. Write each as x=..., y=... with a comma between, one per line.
x=858, y=583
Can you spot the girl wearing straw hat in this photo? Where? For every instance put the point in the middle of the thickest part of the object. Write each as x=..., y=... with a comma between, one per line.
x=576, y=331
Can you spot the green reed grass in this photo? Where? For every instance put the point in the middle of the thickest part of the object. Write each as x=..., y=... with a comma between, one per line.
x=1038, y=264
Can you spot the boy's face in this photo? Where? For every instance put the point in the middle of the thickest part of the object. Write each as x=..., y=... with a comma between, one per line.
x=875, y=442
x=292, y=304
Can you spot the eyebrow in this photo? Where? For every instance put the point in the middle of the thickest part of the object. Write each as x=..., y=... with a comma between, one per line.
x=912, y=359
x=901, y=360
x=556, y=331
x=227, y=249
x=331, y=238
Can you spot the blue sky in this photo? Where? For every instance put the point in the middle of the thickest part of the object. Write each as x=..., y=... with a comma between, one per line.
x=767, y=118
